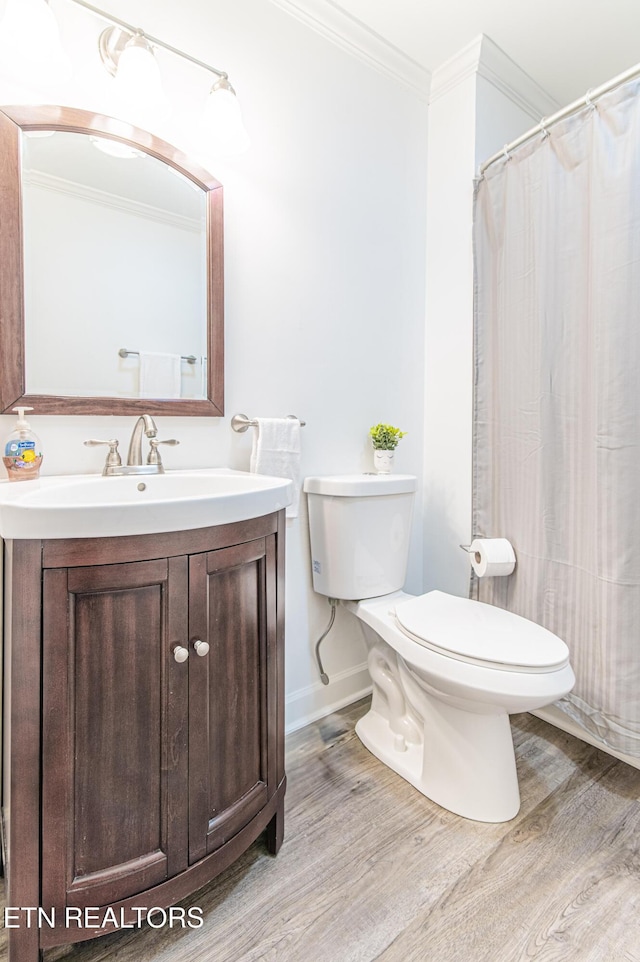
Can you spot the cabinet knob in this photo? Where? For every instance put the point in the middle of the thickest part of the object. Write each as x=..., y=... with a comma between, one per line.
x=180, y=654
x=201, y=647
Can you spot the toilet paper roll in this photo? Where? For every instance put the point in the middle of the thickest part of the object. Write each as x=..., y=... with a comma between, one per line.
x=492, y=557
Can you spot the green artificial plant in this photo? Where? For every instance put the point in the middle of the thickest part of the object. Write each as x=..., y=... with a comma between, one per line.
x=385, y=437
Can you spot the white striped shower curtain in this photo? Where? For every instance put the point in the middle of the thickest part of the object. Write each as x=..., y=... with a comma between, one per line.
x=557, y=398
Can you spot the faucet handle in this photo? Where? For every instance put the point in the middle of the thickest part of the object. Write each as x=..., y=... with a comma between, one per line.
x=154, y=454
x=113, y=458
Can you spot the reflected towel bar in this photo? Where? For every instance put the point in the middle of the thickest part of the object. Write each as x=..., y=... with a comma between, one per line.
x=241, y=423
x=189, y=358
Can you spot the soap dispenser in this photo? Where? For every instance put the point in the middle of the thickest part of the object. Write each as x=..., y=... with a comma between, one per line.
x=22, y=455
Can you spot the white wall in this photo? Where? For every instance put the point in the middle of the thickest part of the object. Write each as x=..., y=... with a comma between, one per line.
x=480, y=100
x=325, y=270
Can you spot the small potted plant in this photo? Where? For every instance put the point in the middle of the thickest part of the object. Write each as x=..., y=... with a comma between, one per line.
x=385, y=440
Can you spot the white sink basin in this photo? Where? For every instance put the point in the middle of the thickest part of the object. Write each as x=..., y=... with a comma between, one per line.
x=90, y=506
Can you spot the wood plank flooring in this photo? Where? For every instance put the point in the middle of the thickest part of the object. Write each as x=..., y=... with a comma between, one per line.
x=372, y=870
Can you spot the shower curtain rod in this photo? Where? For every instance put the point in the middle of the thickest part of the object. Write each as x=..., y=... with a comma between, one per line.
x=546, y=122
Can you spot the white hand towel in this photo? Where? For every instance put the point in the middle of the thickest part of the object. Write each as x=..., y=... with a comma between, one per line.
x=160, y=375
x=276, y=451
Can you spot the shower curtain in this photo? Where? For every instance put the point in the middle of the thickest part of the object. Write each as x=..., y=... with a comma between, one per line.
x=557, y=398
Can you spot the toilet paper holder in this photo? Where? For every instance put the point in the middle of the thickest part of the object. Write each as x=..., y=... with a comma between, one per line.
x=491, y=557
x=467, y=547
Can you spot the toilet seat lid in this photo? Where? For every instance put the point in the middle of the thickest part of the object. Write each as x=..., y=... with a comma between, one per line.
x=480, y=633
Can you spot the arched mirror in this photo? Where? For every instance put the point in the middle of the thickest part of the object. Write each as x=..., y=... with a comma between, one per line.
x=111, y=269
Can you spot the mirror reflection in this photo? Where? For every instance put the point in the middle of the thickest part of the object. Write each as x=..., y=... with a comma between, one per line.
x=115, y=271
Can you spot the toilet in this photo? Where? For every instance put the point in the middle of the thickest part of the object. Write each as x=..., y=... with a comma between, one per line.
x=446, y=671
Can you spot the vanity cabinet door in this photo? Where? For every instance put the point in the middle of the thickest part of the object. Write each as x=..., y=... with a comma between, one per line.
x=232, y=690
x=114, y=730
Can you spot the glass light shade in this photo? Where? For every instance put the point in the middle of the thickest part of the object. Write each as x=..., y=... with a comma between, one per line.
x=224, y=133
x=30, y=47
x=115, y=148
x=137, y=83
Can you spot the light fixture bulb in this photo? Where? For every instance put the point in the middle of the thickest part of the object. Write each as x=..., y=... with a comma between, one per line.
x=115, y=148
x=224, y=132
x=30, y=47
x=137, y=82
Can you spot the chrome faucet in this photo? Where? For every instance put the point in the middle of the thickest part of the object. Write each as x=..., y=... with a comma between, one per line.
x=144, y=423
x=114, y=466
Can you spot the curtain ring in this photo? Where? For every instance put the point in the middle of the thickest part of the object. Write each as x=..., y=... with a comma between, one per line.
x=505, y=151
x=543, y=128
x=588, y=102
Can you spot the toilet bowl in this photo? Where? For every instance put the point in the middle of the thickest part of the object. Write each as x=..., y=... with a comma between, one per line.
x=439, y=715
x=446, y=672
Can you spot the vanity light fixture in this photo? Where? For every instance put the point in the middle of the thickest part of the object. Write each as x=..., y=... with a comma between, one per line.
x=30, y=47
x=223, y=127
x=127, y=52
x=130, y=60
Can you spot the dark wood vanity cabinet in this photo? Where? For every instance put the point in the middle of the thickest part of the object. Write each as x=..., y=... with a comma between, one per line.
x=144, y=679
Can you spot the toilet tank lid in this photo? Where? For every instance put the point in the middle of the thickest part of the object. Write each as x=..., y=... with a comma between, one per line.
x=361, y=485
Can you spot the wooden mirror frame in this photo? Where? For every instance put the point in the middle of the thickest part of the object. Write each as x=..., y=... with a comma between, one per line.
x=14, y=120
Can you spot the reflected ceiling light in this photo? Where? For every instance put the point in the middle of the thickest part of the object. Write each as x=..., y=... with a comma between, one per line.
x=184, y=180
x=38, y=134
x=115, y=148
x=30, y=48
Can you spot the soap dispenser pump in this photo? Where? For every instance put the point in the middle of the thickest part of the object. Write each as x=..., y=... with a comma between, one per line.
x=22, y=454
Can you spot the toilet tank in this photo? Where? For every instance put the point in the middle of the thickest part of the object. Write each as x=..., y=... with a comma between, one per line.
x=360, y=527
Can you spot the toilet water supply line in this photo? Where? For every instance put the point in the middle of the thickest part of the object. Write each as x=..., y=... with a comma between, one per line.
x=324, y=678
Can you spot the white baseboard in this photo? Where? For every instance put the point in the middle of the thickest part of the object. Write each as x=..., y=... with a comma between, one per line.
x=308, y=704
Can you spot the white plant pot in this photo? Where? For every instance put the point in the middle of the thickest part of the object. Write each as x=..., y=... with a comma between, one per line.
x=383, y=461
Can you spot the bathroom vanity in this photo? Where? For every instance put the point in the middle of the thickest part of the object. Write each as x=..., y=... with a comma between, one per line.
x=143, y=720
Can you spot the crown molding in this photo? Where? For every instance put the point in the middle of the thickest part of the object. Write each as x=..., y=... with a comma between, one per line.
x=505, y=74
x=93, y=195
x=486, y=59
x=353, y=36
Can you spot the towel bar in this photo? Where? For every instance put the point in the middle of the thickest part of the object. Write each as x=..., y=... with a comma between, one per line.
x=241, y=423
x=189, y=358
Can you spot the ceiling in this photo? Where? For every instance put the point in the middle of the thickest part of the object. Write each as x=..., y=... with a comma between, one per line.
x=567, y=46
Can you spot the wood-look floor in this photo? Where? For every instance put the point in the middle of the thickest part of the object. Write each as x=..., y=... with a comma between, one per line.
x=372, y=870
